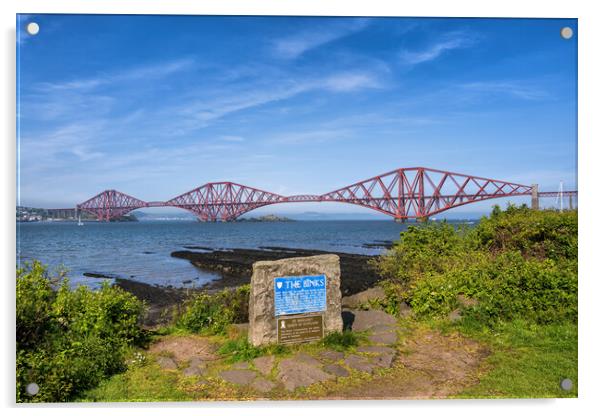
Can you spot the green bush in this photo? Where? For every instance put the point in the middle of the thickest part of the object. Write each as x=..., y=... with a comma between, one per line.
x=69, y=340
x=506, y=287
x=212, y=313
x=541, y=234
x=429, y=248
x=517, y=263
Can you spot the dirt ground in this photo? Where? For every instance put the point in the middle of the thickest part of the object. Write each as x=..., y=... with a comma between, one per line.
x=431, y=365
x=183, y=348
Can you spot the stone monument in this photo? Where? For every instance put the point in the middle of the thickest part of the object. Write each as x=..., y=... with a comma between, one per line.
x=295, y=300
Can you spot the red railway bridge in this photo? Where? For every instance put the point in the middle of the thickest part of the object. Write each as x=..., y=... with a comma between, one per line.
x=406, y=193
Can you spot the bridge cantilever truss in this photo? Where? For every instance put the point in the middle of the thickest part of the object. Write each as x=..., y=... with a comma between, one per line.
x=111, y=204
x=404, y=193
x=223, y=200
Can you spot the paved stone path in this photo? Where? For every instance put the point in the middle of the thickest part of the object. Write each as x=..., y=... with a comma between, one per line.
x=242, y=377
x=167, y=363
x=266, y=373
x=264, y=364
x=294, y=373
x=263, y=385
x=336, y=370
x=364, y=320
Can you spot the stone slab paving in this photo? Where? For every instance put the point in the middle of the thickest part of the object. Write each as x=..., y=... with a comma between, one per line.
x=264, y=364
x=307, y=359
x=263, y=385
x=355, y=301
x=167, y=363
x=303, y=369
x=240, y=377
x=384, y=360
x=378, y=349
x=197, y=362
x=196, y=367
x=193, y=371
x=293, y=374
x=241, y=365
x=383, y=338
x=364, y=320
x=384, y=328
x=331, y=355
x=336, y=370
x=359, y=363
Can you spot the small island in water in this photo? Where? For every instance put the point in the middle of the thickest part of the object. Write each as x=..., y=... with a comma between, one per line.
x=265, y=218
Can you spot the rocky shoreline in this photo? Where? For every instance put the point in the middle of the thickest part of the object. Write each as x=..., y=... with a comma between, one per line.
x=235, y=267
x=160, y=300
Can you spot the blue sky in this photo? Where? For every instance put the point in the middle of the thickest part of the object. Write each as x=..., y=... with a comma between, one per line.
x=157, y=105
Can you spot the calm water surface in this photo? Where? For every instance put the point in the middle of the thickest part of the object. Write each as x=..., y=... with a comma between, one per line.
x=141, y=250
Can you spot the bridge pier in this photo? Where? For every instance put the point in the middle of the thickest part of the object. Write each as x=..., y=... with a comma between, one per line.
x=571, y=202
x=535, y=196
x=400, y=220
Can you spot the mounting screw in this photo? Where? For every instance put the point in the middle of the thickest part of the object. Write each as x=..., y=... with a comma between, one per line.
x=566, y=384
x=33, y=28
x=566, y=32
x=32, y=389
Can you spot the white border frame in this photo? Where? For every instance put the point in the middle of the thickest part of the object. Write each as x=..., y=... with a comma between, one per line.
x=590, y=134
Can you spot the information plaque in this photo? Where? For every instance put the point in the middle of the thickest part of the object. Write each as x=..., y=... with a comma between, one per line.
x=300, y=329
x=299, y=294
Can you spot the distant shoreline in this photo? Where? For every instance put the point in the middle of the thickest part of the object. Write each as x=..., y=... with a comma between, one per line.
x=245, y=220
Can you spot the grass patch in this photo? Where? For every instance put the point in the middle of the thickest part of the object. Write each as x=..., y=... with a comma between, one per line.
x=527, y=360
x=240, y=349
x=341, y=341
x=147, y=383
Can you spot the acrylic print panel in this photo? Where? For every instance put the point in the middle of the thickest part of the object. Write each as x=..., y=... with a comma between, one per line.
x=160, y=157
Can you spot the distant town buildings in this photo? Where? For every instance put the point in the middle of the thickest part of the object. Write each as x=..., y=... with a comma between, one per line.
x=29, y=214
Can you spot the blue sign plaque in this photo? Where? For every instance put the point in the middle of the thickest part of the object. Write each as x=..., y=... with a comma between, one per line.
x=299, y=294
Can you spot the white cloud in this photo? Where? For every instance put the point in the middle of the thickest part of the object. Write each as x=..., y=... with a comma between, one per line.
x=84, y=154
x=67, y=144
x=201, y=112
x=451, y=41
x=141, y=73
x=296, y=45
x=513, y=88
x=351, y=82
